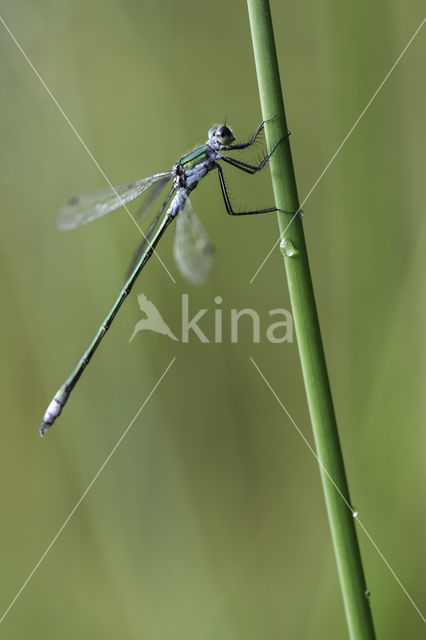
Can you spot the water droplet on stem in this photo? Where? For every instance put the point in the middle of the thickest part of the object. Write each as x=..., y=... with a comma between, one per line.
x=287, y=248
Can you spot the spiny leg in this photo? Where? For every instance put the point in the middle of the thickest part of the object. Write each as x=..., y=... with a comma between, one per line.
x=252, y=168
x=228, y=205
x=244, y=145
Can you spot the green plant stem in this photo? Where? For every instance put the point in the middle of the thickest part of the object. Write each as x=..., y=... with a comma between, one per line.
x=340, y=514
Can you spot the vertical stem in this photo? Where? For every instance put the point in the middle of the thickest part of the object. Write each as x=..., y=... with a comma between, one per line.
x=332, y=471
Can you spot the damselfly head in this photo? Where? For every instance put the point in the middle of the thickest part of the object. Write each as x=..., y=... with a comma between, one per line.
x=222, y=133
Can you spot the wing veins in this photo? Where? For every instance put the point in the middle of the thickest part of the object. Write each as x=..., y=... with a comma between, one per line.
x=81, y=210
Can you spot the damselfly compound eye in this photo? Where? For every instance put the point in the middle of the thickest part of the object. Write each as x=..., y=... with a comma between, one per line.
x=224, y=135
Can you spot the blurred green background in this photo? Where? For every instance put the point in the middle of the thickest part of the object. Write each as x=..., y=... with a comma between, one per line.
x=208, y=521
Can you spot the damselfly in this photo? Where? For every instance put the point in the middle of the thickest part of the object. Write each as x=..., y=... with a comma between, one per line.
x=192, y=248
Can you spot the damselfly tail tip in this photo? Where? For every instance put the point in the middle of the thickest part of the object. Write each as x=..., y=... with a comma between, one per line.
x=44, y=427
x=54, y=408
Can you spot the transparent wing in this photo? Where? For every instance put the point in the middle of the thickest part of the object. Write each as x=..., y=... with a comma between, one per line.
x=148, y=233
x=192, y=247
x=87, y=207
x=152, y=195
